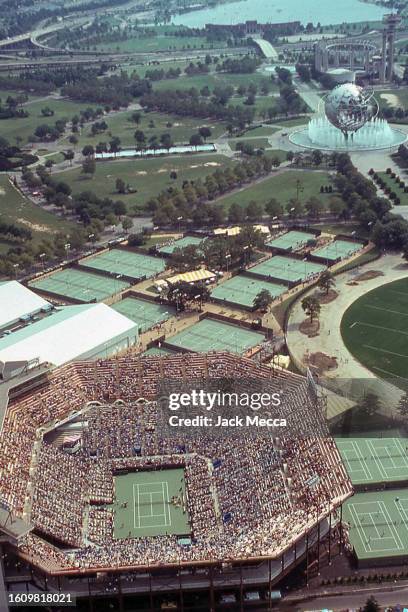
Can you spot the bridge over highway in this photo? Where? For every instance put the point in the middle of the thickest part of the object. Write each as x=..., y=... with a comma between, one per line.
x=266, y=48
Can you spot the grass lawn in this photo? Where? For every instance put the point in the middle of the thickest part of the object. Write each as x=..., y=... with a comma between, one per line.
x=257, y=143
x=292, y=122
x=394, y=186
x=15, y=208
x=181, y=128
x=24, y=128
x=283, y=187
x=262, y=103
x=212, y=79
x=375, y=332
x=159, y=43
x=264, y=130
x=148, y=176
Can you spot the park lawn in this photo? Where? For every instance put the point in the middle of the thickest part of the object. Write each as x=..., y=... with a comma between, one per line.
x=262, y=103
x=148, y=176
x=24, y=128
x=120, y=125
x=279, y=153
x=5, y=93
x=292, y=122
x=282, y=187
x=212, y=79
x=159, y=43
x=394, y=186
x=15, y=208
x=263, y=130
x=257, y=143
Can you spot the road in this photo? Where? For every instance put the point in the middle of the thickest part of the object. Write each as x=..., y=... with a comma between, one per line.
x=399, y=595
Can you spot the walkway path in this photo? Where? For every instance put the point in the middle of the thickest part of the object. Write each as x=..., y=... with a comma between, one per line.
x=329, y=340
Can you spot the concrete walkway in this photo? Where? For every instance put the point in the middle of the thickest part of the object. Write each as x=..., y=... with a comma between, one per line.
x=329, y=340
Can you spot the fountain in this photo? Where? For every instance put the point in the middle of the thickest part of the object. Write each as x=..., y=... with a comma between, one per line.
x=349, y=123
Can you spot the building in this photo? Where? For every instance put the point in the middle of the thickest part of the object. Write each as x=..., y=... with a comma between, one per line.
x=33, y=331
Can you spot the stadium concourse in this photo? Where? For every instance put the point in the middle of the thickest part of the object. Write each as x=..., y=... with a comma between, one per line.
x=66, y=442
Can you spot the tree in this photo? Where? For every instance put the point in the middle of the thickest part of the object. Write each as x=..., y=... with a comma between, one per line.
x=236, y=213
x=196, y=140
x=88, y=167
x=370, y=404
x=326, y=281
x=120, y=186
x=127, y=223
x=254, y=210
x=262, y=300
x=403, y=406
x=314, y=207
x=88, y=151
x=69, y=155
x=205, y=132
x=273, y=208
x=371, y=605
x=311, y=307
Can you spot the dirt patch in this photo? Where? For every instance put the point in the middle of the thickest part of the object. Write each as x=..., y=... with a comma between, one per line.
x=311, y=330
x=326, y=298
x=2, y=191
x=390, y=98
x=368, y=275
x=322, y=362
x=35, y=226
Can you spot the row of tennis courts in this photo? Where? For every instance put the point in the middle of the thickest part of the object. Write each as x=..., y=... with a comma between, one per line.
x=296, y=240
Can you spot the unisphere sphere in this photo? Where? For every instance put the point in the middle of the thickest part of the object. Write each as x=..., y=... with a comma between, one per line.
x=348, y=107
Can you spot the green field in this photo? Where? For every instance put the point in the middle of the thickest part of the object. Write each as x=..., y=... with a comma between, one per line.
x=394, y=186
x=257, y=143
x=211, y=335
x=24, y=128
x=155, y=504
x=374, y=329
x=145, y=314
x=148, y=176
x=16, y=208
x=283, y=186
x=152, y=124
x=374, y=460
x=150, y=44
x=378, y=523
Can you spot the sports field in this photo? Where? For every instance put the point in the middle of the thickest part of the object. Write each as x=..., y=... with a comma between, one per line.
x=211, y=335
x=145, y=314
x=242, y=290
x=79, y=285
x=378, y=523
x=133, y=265
x=287, y=268
x=374, y=460
x=338, y=249
x=374, y=329
x=180, y=244
x=292, y=241
x=150, y=503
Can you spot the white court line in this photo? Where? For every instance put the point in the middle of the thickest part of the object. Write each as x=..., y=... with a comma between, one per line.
x=389, y=329
x=402, y=511
x=359, y=455
x=167, y=507
x=380, y=350
x=404, y=314
x=392, y=527
x=378, y=463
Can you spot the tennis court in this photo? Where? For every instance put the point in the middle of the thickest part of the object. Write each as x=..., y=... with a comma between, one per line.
x=151, y=503
x=378, y=523
x=145, y=314
x=291, y=241
x=242, y=290
x=180, y=244
x=338, y=249
x=128, y=263
x=156, y=351
x=287, y=269
x=211, y=335
x=374, y=460
x=79, y=285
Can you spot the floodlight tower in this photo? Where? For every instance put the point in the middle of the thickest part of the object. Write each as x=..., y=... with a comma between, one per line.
x=391, y=22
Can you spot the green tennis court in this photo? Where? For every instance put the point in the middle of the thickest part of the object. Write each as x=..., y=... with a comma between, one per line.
x=180, y=244
x=145, y=314
x=374, y=460
x=287, y=269
x=291, y=241
x=211, y=335
x=378, y=523
x=133, y=265
x=338, y=249
x=156, y=351
x=150, y=503
x=79, y=285
x=242, y=290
